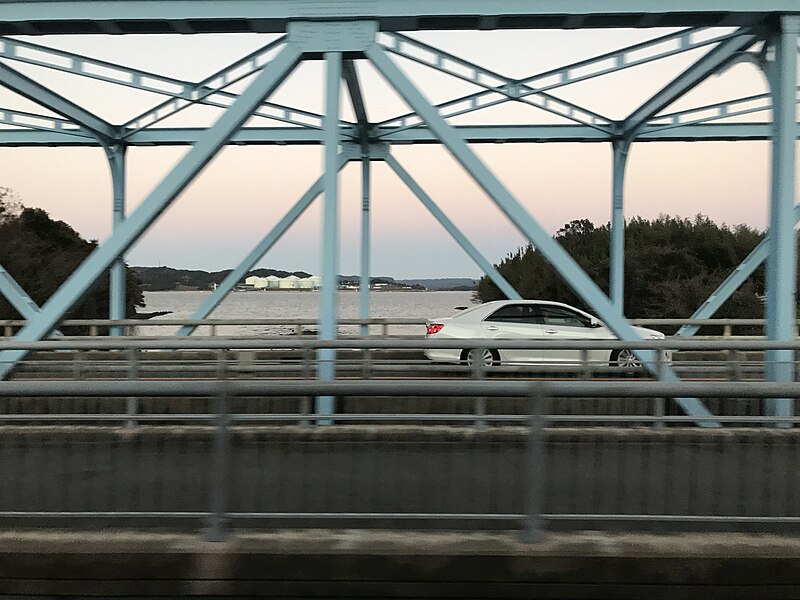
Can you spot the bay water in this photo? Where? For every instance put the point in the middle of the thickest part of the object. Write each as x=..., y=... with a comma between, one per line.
x=290, y=304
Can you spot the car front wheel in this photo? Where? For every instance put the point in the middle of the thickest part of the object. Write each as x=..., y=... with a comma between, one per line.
x=625, y=359
x=485, y=356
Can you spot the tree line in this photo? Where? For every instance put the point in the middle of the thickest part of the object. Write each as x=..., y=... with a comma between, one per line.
x=41, y=253
x=671, y=266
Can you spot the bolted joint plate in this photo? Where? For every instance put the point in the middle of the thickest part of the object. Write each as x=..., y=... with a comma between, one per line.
x=344, y=36
x=377, y=150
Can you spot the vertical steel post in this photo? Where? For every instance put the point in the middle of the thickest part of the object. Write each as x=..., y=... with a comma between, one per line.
x=330, y=230
x=117, y=302
x=366, y=242
x=217, y=522
x=533, y=530
x=617, y=260
x=782, y=260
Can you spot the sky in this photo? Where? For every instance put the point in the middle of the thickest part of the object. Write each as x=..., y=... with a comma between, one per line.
x=244, y=191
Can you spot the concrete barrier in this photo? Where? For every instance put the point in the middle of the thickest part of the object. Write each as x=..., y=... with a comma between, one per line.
x=370, y=564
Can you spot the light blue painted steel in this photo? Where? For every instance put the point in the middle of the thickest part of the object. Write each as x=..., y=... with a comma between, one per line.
x=32, y=17
x=625, y=58
x=475, y=254
x=733, y=282
x=18, y=297
x=350, y=76
x=24, y=86
x=328, y=317
x=617, y=260
x=550, y=249
x=366, y=247
x=28, y=120
x=696, y=74
x=494, y=83
x=236, y=275
x=81, y=280
x=726, y=289
x=474, y=134
x=782, y=259
x=714, y=112
x=183, y=93
x=116, y=309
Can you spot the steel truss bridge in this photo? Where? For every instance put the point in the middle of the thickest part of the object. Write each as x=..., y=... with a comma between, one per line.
x=761, y=32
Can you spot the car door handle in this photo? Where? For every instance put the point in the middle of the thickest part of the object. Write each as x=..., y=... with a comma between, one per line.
x=491, y=328
x=550, y=331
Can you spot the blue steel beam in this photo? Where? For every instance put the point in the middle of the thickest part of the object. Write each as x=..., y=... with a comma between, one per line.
x=501, y=282
x=183, y=93
x=611, y=62
x=82, y=279
x=350, y=76
x=26, y=87
x=477, y=134
x=511, y=89
x=117, y=291
x=32, y=17
x=714, y=112
x=328, y=315
x=617, y=258
x=782, y=259
x=544, y=243
x=366, y=246
x=28, y=120
x=18, y=298
x=696, y=74
x=236, y=275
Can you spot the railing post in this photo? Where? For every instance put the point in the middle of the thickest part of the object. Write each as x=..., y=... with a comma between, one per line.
x=77, y=362
x=586, y=370
x=308, y=375
x=660, y=403
x=132, y=402
x=533, y=530
x=217, y=523
x=366, y=363
x=479, y=373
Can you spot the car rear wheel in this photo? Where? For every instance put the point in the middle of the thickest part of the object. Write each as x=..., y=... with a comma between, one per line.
x=625, y=359
x=485, y=356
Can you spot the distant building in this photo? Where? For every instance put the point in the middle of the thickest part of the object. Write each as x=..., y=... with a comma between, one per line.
x=291, y=282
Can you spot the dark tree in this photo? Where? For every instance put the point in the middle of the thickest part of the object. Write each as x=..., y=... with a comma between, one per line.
x=40, y=253
x=671, y=266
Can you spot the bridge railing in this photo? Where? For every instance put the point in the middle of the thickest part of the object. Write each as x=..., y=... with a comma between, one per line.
x=414, y=327
x=87, y=357
x=223, y=468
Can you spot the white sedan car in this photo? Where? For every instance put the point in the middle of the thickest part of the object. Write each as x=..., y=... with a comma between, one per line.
x=527, y=320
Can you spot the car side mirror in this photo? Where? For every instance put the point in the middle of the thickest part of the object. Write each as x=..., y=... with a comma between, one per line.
x=594, y=324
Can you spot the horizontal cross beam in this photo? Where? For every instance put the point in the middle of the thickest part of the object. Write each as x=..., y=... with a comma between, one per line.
x=477, y=134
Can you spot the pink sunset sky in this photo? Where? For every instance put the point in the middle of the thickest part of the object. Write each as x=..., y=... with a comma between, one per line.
x=245, y=190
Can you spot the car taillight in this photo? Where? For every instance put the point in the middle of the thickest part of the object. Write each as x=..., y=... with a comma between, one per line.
x=434, y=328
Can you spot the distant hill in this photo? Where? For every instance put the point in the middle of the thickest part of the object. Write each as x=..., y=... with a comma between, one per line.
x=160, y=279
x=446, y=283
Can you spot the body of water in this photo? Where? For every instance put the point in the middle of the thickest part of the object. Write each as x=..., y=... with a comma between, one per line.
x=303, y=305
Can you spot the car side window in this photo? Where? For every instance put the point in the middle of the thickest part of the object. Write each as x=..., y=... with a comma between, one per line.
x=563, y=317
x=516, y=313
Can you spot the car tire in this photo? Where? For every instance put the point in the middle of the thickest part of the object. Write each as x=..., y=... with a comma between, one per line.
x=491, y=358
x=625, y=359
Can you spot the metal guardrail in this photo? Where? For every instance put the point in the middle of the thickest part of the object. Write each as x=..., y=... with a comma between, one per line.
x=212, y=327
x=226, y=468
